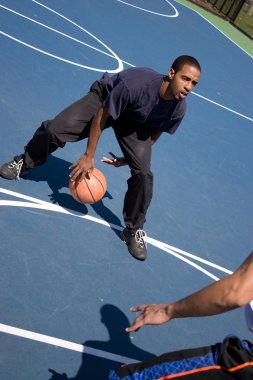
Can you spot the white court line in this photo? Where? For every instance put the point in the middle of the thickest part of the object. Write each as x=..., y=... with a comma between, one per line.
x=44, y=205
x=63, y=343
x=56, y=31
x=55, y=56
x=154, y=13
x=180, y=254
x=114, y=55
x=37, y=203
x=220, y=105
x=86, y=31
x=59, y=32
x=173, y=250
x=120, y=61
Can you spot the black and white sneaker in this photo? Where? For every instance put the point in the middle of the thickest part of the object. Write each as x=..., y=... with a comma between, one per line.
x=13, y=169
x=136, y=241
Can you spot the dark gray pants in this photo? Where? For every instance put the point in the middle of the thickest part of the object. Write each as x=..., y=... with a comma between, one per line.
x=73, y=124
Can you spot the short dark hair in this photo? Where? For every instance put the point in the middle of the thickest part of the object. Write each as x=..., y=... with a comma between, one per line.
x=185, y=60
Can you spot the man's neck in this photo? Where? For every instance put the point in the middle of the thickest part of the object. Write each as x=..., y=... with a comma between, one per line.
x=164, y=90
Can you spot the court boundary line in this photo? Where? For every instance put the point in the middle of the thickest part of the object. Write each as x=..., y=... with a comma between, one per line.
x=42, y=338
x=154, y=13
x=79, y=347
x=221, y=106
x=176, y=252
x=114, y=55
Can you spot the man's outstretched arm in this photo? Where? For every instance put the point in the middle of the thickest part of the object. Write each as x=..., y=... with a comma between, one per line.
x=230, y=292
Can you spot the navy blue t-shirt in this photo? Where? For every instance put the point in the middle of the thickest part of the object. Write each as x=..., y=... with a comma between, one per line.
x=133, y=94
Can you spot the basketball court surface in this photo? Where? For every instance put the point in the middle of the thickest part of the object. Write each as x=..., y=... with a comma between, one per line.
x=67, y=280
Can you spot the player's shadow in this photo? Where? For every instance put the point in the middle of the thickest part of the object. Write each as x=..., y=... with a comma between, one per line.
x=56, y=173
x=96, y=367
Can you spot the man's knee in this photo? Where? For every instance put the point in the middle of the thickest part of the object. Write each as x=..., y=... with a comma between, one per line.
x=52, y=131
x=141, y=183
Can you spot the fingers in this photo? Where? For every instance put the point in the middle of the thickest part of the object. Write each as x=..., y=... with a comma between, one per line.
x=113, y=155
x=139, y=321
x=85, y=175
x=134, y=327
x=73, y=165
x=79, y=174
x=151, y=314
x=81, y=169
x=116, y=161
x=139, y=308
x=74, y=174
x=107, y=160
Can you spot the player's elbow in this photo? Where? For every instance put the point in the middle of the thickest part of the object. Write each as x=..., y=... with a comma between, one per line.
x=237, y=297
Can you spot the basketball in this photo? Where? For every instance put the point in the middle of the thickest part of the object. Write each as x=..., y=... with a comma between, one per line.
x=89, y=190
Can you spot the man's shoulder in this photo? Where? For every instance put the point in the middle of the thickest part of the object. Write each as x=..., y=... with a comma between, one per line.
x=137, y=75
x=139, y=70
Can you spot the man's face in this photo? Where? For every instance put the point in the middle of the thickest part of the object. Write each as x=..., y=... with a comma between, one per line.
x=183, y=81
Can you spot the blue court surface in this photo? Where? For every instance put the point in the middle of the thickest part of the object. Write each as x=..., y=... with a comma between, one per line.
x=67, y=281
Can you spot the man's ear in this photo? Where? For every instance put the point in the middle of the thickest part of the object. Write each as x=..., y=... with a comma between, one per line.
x=171, y=73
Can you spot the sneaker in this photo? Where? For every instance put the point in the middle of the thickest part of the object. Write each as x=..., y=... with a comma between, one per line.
x=136, y=242
x=13, y=169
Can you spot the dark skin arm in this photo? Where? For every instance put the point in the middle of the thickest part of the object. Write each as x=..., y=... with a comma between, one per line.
x=85, y=164
x=229, y=293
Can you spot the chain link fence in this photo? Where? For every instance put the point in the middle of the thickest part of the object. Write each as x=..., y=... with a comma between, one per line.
x=237, y=12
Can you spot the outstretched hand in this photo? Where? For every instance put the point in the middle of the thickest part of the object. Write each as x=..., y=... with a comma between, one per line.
x=115, y=161
x=151, y=314
x=81, y=168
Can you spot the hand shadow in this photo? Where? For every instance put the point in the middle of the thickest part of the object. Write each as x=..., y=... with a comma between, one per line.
x=97, y=367
x=56, y=173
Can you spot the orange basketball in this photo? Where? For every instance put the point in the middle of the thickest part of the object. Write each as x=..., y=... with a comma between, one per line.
x=91, y=190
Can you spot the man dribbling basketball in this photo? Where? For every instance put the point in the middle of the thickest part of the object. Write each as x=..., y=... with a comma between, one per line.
x=139, y=104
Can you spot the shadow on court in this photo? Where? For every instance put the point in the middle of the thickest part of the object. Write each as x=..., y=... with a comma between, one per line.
x=56, y=173
x=94, y=367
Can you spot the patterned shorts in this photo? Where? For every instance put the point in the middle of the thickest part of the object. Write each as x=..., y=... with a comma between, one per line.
x=231, y=359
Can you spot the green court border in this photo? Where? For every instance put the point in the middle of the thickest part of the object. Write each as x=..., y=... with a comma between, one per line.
x=244, y=42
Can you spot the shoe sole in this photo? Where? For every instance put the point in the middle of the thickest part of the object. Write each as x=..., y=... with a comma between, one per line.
x=6, y=176
x=122, y=236
x=13, y=178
